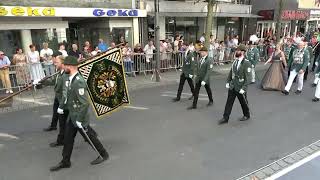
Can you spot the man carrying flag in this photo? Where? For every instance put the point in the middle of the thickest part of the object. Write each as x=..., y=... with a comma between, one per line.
x=76, y=102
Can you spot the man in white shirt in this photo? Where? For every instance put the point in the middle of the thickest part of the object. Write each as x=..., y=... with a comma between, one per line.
x=148, y=49
x=63, y=51
x=46, y=58
x=202, y=38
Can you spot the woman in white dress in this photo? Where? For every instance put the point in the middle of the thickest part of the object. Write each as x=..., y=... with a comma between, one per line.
x=36, y=70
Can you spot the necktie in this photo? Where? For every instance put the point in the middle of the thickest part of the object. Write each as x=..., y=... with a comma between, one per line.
x=237, y=64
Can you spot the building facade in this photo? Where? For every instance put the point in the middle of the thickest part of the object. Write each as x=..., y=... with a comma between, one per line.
x=67, y=21
x=293, y=19
x=188, y=19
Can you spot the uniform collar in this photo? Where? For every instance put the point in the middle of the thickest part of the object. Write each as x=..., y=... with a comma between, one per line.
x=72, y=76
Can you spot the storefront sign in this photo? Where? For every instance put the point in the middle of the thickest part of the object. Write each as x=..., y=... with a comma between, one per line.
x=69, y=12
x=266, y=14
x=295, y=15
x=309, y=4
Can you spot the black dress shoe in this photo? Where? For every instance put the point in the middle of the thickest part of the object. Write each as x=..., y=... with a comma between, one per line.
x=176, y=99
x=49, y=129
x=55, y=144
x=298, y=92
x=223, y=121
x=190, y=98
x=61, y=165
x=191, y=107
x=313, y=85
x=315, y=100
x=100, y=159
x=210, y=103
x=285, y=92
x=244, y=118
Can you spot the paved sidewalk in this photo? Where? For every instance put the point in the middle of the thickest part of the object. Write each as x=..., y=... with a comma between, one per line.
x=44, y=96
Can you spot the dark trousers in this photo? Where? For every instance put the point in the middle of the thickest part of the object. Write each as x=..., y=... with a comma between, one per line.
x=305, y=77
x=71, y=132
x=62, y=126
x=183, y=79
x=232, y=94
x=197, y=90
x=55, y=115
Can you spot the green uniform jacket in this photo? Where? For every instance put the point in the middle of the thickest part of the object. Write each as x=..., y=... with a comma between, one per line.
x=76, y=101
x=287, y=51
x=60, y=83
x=253, y=56
x=317, y=71
x=239, y=79
x=298, y=66
x=188, y=64
x=310, y=50
x=204, y=71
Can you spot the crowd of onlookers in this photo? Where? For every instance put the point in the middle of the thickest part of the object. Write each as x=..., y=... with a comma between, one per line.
x=34, y=65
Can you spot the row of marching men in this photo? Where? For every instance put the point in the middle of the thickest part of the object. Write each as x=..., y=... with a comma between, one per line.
x=240, y=76
x=242, y=73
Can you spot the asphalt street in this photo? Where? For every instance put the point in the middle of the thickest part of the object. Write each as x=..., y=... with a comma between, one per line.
x=156, y=139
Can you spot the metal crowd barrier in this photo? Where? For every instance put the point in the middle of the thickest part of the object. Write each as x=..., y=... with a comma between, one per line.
x=20, y=76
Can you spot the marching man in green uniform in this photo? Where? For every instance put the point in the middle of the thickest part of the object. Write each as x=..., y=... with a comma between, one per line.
x=317, y=72
x=58, y=93
x=298, y=63
x=76, y=102
x=187, y=72
x=316, y=82
x=203, y=77
x=237, y=83
x=253, y=56
x=61, y=79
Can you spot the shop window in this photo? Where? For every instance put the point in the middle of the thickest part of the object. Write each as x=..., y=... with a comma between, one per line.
x=10, y=41
x=39, y=36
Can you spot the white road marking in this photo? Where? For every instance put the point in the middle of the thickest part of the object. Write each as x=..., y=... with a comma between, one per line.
x=294, y=166
x=32, y=101
x=46, y=116
x=168, y=95
x=136, y=107
x=189, y=94
x=5, y=135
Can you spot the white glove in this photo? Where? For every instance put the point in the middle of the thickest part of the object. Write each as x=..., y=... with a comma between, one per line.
x=36, y=82
x=227, y=85
x=60, y=111
x=203, y=83
x=317, y=63
x=241, y=91
x=79, y=124
x=190, y=76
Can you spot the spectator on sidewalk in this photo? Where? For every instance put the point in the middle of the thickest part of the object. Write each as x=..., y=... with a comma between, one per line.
x=112, y=45
x=95, y=51
x=63, y=51
x=87, y=46
x=148, y=49
x=138, y=57
x=128, y=63
x=4, y=72
x=75, y=52
x=21, y=68
x=202, y=38
x=86, y=54
x=46, y=58
x=34, y=60
x=102, y=45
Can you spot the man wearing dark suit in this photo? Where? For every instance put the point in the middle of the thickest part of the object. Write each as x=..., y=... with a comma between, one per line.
x=203, y=77
x=237, y=83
